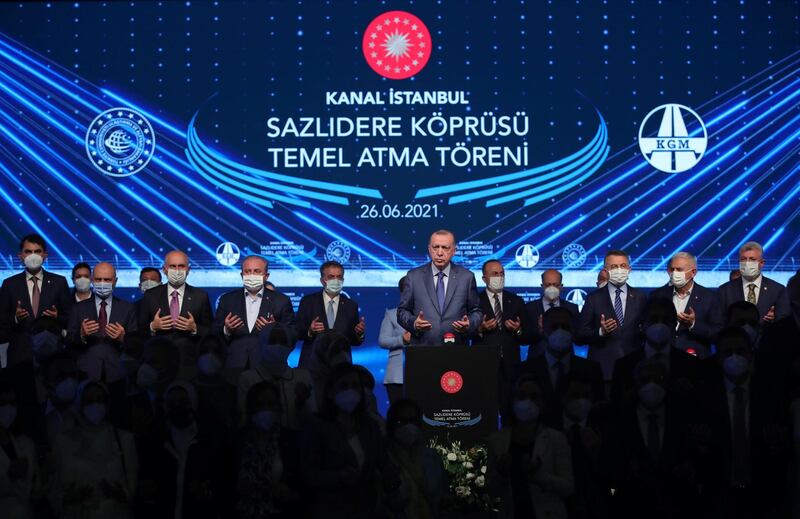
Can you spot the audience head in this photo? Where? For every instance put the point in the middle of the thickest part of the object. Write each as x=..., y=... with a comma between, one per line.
x=602, y=278
x=618, y=264
x=160, y=364
x=682, y=268
x=577, y=400
x=441, y=248
x=8, y=406
x=331, y=275
x=263, y=406
x=735, y=274
x=494, y=276
x=180, y=405
x=552, y=284
x=92, y=402
x=176, y=267
x=149, y=277
x=557, y=326
x=343, y=392
x=61, y=379
x=746, y=316
x=329, y=350
x=734, y=354
x=527, y=400
x=751, y=260
x=46, y=337
x=33, y=252
x=255, y=271
x=650, y=377
x=210, y=356
x=404, y=422
x=273, y=344
x=81, y=277
x=660, y=321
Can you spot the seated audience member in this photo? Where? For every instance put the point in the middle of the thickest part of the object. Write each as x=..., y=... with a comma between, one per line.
x=558, y=362
x=268, y=463
x=654, y=465
x=660, y=320
x=20, y=479
x=328, y=350
x=181, y=472
x=368, y=383
x=97, y=463
x=393, y=338
x=342, y=451
x=421, y=480
x=294, y=384
x=529, y=466
x=61, y=383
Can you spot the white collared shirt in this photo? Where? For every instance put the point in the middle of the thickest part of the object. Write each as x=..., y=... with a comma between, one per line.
x=97, y=302
x=681, y=302
x=435, y=273
x=29, y=277
x=488, y=293
x=757, y=282
x=252, y=304
x=612, y=291
x=547, y=304
x=181, y=291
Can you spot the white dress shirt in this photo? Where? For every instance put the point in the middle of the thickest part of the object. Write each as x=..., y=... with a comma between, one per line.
x=326, y=299
x=170, y=290
x=252, y=304
x=446, y=279
x=29, y=277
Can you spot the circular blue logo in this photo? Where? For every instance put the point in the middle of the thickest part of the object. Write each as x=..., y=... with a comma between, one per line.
x=577, y=297
x=338, y=251
x=228, y=253
x=527, y=256
x=120, y=142
x=574, y=256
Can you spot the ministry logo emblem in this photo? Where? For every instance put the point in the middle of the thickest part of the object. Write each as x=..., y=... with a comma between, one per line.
x=120, y=142
x=673, y=149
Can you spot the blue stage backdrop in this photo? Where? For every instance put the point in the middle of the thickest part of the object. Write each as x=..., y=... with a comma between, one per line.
x=541, y=133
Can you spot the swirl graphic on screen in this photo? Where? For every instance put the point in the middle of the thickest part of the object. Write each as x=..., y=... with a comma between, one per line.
x=120, y=142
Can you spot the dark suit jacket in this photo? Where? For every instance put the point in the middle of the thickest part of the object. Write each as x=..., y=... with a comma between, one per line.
x=533, y=311
x=551, y=396
x=313, y=305
x=122, y=312
x=771, y=294
x=509, y=342
x=195, y=301
x=793, y=287
x=684, y=372
x=243, y=343
x=626, y=339
x=53, y=292
x=419, y=295
x=708, y=319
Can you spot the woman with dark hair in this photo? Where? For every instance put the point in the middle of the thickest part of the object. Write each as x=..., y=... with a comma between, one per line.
x=267, y=478
x=342, y=450
x=421, y=480
x=529, y=465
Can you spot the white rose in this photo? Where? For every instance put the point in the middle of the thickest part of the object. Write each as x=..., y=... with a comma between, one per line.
x=468, y=465
x=470, y=475
x=452, y=457
x=483, y=469
x=480, y=481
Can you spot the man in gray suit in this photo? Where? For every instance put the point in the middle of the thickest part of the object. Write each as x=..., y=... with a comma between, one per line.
x=439, y=297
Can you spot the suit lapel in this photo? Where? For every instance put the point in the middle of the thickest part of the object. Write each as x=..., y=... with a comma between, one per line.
x=23, y=289
x=430, y=286
x=186, y=304
x=451, y=288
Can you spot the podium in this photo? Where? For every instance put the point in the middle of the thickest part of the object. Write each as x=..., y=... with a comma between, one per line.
x=457, y=389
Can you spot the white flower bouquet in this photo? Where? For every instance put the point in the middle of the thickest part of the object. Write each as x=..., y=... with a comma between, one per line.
x=466, y=469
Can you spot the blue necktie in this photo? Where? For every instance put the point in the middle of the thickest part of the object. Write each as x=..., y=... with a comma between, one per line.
x=618, y=307
x=440, y=291
x=331, y=317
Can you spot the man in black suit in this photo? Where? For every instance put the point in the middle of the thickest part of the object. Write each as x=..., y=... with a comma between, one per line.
x=98, y=326
x=768, y=295
x=177, y=311
x=501, y=325
x=610, y=319
x=24, y=297
x=698, y=309
x=558, y=362
x=328, y=309
x=242, y=314
x=660, y=319
x=552, y=285
x=744, y=400
x=793, y=287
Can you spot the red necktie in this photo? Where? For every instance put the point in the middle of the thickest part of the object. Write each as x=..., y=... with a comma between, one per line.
x=103, y=317
x=35, y=294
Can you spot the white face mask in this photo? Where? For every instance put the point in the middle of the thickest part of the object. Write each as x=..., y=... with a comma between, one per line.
x=679, y=279
x=552, y=293
x=33, y=262
x=82, y=285
x=253, y=282
x=147, y=284
x=749, y=269
x=618, y=276
x=496, y=283
x=103, y=289
x=176, y=277
x=334, y=286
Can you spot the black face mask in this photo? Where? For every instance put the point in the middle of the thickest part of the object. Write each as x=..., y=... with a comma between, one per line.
x=180, y=417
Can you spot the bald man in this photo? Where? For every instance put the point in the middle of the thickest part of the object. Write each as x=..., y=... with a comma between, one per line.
x=98, y=326
x=177, y=311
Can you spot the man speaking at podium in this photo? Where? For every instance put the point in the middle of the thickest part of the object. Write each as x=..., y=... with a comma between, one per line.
x=439, y=297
